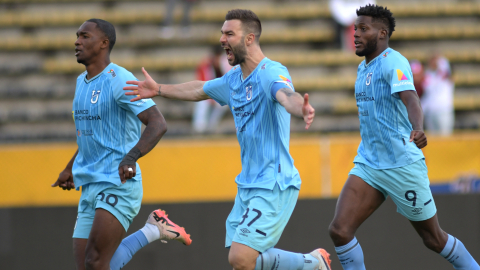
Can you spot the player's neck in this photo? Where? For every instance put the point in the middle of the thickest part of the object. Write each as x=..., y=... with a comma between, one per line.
x=376, y=53
x=251, y=62
x=96, y=67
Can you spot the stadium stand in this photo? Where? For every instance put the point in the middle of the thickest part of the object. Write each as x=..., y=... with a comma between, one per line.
x=38, y=69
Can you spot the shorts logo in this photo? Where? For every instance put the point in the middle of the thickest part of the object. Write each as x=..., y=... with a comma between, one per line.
x=95, y=95
x=245, y=230
x=369, y=78
x=249, y=92
x=417, y=211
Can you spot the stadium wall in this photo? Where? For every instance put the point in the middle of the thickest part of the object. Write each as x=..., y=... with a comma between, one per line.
x=40, y=237
x=204, y=170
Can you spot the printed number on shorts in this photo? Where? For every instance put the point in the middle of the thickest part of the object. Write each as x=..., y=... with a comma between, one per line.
x=259, y=214
x=411, y=196
x=111, y=199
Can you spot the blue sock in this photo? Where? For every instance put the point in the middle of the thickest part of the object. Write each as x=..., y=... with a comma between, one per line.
x=351, y=256
x=456, y=254
x=129, y=246
x=284, y=260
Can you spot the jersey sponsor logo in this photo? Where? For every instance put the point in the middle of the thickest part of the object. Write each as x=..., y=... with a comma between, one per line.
x=369, y=78
x=84, y=132
x=249, y=92
x=112, y=72
x=284, y=78
x=363, y=113
x=401, y=76
x=385, y=54
x=82, y=115
x=362, y=97
x=263, y=67
x=95, y=95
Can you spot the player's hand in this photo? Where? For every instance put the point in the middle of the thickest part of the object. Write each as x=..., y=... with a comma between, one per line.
x=127, y=172
x=419, y=138
x=65, y=180
x=308, y=111
x=142, y=89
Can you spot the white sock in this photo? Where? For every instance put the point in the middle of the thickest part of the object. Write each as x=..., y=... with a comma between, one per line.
x=151, y=232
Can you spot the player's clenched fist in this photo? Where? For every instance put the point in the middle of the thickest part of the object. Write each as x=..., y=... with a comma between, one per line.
x=419, y=138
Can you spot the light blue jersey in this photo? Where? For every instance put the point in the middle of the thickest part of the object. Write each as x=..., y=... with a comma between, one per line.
x=384, y=124
x=107, y=125
x=262, y=124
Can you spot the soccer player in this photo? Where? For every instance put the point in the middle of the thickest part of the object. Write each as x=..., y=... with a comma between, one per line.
x=389, y=160
x=261, y=97
x=109, y=144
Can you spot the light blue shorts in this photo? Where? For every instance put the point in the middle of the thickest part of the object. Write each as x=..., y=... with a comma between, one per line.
x=259, y=216
x=122, y=201
x=408, y=186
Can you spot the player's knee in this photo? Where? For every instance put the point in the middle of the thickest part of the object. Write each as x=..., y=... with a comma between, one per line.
x=339, y=233
x=239, y=262
x=433, y=243
x=93, y=260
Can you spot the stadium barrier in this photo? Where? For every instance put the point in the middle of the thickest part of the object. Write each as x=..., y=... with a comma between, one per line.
x=204, y=170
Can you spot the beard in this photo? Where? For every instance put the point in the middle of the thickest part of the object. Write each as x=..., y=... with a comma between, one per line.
x=370, y=47
x=239, y=54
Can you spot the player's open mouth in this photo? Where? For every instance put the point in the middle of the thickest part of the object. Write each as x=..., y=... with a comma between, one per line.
x=229, y=53
x=77, y=52
x=357, y=44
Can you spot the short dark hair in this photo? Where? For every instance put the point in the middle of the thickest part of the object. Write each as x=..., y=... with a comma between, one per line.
x=108, y=29
x=250, y=22
x=379, y=13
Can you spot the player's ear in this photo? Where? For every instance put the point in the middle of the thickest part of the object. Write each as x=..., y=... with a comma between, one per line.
x=105, y=43
x=249, y=39
x=383, y=33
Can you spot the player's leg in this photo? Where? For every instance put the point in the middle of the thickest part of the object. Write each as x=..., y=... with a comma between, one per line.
x=255, y=225
x=158, y=226
x=357, y=201
x=79, y=245
x=446, y=245
x=414, y=200
x=105, y=237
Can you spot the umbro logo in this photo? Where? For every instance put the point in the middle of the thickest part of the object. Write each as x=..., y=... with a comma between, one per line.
x=245, y=230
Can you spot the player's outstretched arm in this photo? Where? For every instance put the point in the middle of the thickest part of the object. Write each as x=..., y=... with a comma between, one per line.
x=190, y=91
x=65, y=178
x=296, y=105
x=415, y=116
x=156, y=126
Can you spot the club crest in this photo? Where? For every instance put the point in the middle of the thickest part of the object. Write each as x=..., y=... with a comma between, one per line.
x=369, y=78
x=249, y=92
x=95, y=95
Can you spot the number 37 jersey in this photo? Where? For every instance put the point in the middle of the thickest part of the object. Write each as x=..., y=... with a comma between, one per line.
x=384, y=124
x=106, y=123
x=262, y=124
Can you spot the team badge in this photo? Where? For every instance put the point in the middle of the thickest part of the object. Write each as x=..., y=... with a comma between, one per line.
x=369, y=78
x=249, y=92
x=95, y=95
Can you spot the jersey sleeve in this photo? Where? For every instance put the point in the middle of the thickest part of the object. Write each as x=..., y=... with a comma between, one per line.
x=218, y=90
x=123, y=100
x=277, y=78
x=397, y=72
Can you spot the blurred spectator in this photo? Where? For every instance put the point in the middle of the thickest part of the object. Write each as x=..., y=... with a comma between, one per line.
x=344, y=13
x=208, y=113
x=167, y=29
x=437, y=99
x=418, y=76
